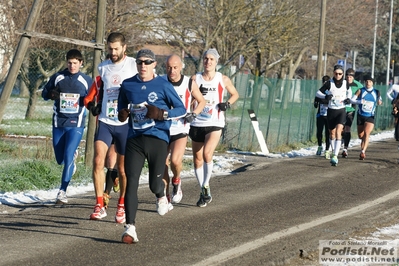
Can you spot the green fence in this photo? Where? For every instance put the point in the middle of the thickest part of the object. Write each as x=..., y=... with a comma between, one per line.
x=284, y=109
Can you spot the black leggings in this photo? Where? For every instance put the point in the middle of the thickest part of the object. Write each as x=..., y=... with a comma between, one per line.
x=137, y=150
x=321, y=123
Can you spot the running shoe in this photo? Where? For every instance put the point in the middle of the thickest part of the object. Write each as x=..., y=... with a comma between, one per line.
x=162, y=205
x=328, y=155
x=61, y=197
x=170, y=205
x=98, y=213
x=362, y=155
x=201, y=202
x=120, y=217
x=116, y=187
x=106, y=198
x=319, y=150
x=334, y=161
x=130, y=235
x=177, y=193
x=206, y=191
x=344, y=153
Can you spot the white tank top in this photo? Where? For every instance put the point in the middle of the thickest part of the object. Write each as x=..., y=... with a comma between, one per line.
x=213, y=92
x=179, y=126
x=339, y=95
x=112, y=76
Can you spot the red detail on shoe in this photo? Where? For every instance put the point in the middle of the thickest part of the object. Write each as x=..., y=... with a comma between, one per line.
x=362, y=156
x=176, y=181
x=120, y=217
x=128, y=239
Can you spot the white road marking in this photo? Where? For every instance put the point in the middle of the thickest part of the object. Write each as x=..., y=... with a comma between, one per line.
x=249, y=246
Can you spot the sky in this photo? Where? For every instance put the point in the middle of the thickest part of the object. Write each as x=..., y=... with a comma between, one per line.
x=223, y=166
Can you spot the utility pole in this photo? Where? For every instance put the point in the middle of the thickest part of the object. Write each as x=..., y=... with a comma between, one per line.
x=19, y=56
x=91, y=127
x=321, y=39
x=375, y=37
x=389, y=42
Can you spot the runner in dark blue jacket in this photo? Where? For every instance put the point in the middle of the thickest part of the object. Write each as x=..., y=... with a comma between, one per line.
x=67, y=88
x=150, y=101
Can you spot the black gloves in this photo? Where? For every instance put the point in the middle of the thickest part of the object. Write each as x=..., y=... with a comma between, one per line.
x=223, y=106
x=123, y=114
x=190, y=117
x=347, y=101
x=95, y=110
x=54, y=94
x=328, y=97
x=154, y=112
x=316, y=104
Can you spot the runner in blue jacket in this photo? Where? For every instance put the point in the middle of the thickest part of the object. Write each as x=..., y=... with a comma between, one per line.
x=67, y=89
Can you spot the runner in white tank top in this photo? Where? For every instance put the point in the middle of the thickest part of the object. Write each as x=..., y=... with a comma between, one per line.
x=188, y=90
x=206, y=129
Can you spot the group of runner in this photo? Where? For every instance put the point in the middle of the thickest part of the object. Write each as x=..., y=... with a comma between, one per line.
x=336, y=101
x=140, y=116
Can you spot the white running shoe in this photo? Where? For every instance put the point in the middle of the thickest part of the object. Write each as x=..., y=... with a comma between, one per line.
x=130, y=235
x=120, y=216
x=61, y=197
x=177, y=193
x=162, y=205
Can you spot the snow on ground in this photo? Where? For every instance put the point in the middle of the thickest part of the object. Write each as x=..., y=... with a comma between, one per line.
x=223, y=166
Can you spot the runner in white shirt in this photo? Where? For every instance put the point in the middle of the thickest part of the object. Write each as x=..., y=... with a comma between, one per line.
x=206, y=129
x=112, y=72
x=188, y=90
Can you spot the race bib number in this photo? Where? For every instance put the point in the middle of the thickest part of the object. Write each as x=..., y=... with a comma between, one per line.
x=112, y=108
x=323, y=110
x=207, y=111
x=69, y=103
x=338, y=99
x=367, y=106
x=138, y=115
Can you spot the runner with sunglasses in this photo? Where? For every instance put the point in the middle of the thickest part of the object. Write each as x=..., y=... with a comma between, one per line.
x=338, y=94
x=151, y=102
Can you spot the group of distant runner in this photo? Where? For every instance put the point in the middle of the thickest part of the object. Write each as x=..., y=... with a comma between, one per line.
x=336, y=103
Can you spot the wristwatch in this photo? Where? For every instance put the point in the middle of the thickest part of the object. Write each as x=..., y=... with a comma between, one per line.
x=165, y=115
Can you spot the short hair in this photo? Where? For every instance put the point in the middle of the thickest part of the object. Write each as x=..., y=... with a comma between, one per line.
x=116, y=37
x=350, y=71
x=325, y=78
x=74, y=54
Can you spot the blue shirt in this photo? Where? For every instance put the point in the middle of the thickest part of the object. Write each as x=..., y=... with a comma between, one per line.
x=69, y=110
x=135, y=94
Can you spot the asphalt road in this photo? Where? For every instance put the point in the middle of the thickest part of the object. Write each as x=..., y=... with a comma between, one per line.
x=261, y=214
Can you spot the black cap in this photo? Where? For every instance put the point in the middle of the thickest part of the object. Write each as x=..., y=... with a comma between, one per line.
x=338, y=67
x=368, y=77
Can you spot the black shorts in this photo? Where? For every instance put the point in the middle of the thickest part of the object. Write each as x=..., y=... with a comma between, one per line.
x=363, y=119
x=198, y=134
x=335, y=117
x=176, y=137
x=349, y=118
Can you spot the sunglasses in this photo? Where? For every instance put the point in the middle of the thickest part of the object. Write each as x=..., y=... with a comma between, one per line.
x=339, y=74
x=146, y=62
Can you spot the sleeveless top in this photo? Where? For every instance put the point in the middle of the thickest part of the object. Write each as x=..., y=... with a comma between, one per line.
x=112, y=76
x=179, y=125
x=213, y=92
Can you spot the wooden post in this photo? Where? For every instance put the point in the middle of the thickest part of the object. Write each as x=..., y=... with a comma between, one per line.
x=91, y=127
x=19, y=56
